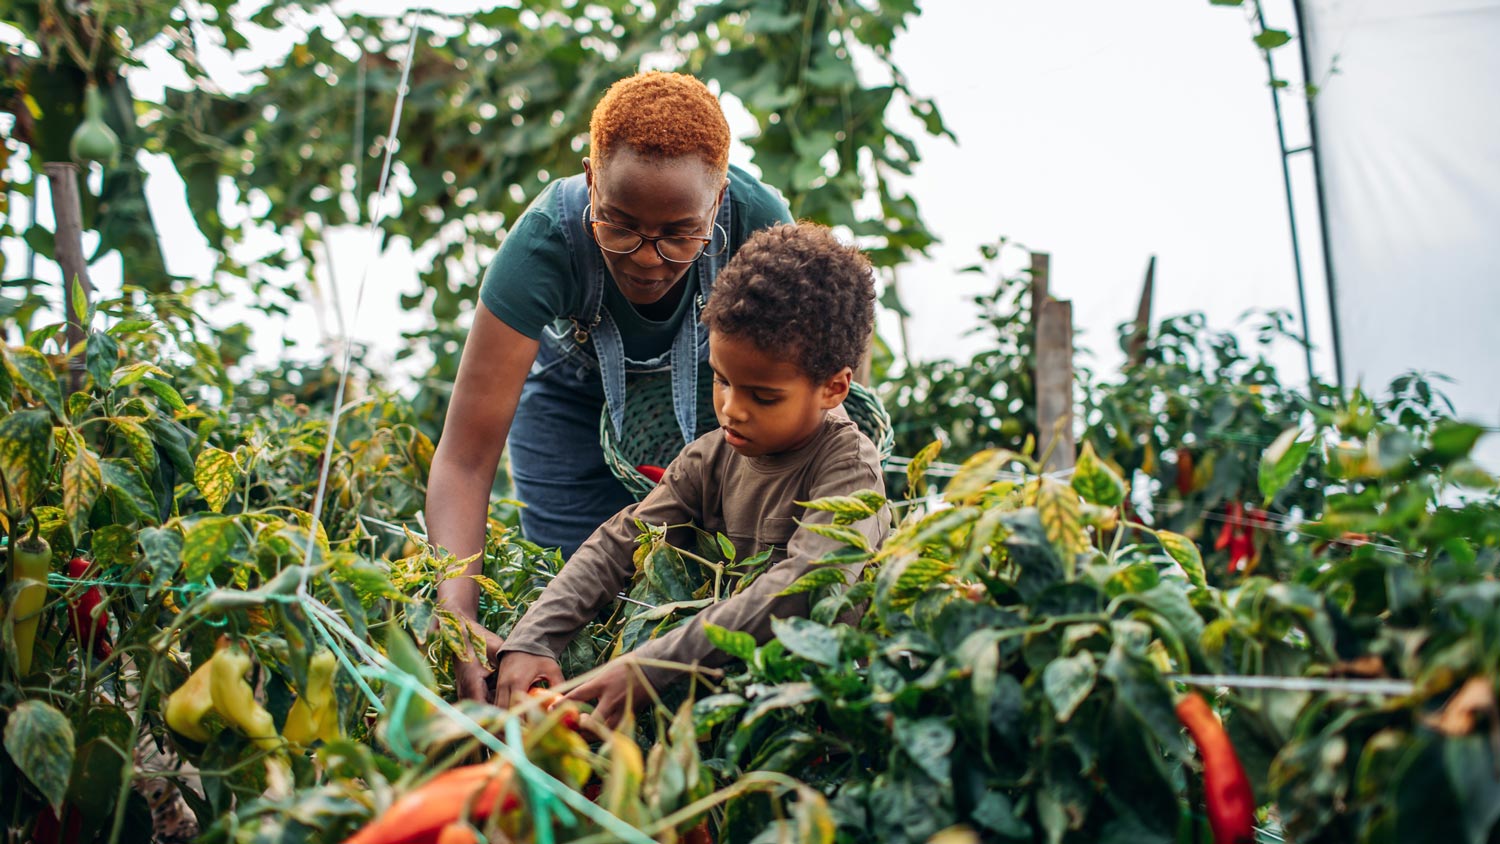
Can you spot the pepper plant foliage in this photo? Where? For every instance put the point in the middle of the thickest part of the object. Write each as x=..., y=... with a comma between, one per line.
x=499, y=104
x=195, y=505
x=198, y=520
x=1015, y=671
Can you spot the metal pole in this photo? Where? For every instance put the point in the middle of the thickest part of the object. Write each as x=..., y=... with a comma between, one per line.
x=1312, y=123
x=1291, y=205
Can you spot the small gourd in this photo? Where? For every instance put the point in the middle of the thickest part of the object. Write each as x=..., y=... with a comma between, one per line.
x=93, y=140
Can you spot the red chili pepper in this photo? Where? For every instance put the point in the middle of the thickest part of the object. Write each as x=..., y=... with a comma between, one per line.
x=1227, y=793
x=48, y=830
x=1184, y=472
x=1232, y=512
x=457, y=833
x=90, y=626
x=652, y=473
x=419, y=817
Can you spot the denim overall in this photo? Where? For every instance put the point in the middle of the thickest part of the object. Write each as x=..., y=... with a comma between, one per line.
x=555, y=456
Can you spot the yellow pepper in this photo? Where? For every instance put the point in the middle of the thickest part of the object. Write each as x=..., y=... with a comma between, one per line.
x=314, y=714
x=187, y=707
x=30, y=559
x=235, y=699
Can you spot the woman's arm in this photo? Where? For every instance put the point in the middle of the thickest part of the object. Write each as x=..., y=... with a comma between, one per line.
x=495, y=361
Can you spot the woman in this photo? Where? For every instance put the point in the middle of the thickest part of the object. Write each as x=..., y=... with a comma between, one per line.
x=604, y=274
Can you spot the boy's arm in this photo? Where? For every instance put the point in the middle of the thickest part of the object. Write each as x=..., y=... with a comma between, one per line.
x=602, y=565
x=752, y=610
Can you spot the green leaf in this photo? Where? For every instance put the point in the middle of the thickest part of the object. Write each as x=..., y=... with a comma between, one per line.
x=214, y=475
x=1282, y=460
x=784, y=696
x=726, y=547
x=83, y=482
x=916, y=470
x=128, y=487
x=1095, y=481
x=162, y=549
x=133, y=372
x=808, y=639
x=208, y=542
x=713, y=710
x=839, y=533
x=30, y=369
x=997, y=813
x=101, y=763
x=1062, y=519
x=166, y=392
x=736, y=643
x=1270, y=39
x=928, y=741
x=1145, y=695
x=26, y=448
x=1453, y=440
x=1067, y=682
x=1185, y=552
x=39, y=740
x=102, y=355
x=815, y=580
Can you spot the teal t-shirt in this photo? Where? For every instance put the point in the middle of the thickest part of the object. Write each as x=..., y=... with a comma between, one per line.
x=531, y=282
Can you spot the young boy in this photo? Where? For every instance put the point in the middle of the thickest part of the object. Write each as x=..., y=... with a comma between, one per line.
x=788, y=320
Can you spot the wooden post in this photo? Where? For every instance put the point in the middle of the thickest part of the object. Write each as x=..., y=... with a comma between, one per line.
x=62, y=177
x=1142, y=330
x=1053, y=324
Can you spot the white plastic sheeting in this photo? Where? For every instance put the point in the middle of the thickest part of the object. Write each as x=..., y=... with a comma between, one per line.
x=1408, y=138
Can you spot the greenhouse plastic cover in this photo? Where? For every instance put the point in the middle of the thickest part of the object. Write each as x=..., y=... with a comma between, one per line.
x=1409, y=143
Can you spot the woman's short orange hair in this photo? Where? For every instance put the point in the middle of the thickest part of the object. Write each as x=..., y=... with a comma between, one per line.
x=660, y=115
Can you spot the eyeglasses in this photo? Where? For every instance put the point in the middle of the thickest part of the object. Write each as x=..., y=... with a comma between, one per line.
x=673, y=248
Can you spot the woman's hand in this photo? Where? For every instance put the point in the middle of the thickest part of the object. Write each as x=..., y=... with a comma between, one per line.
x=518, y=672
x=470, y=672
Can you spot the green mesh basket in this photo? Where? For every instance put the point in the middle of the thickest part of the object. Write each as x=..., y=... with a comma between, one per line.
x=650, y=436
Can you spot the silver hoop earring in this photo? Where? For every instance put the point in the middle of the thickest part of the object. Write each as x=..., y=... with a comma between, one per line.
x=722, y=249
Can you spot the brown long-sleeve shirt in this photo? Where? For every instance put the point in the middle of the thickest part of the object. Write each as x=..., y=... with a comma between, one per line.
x=752, y=500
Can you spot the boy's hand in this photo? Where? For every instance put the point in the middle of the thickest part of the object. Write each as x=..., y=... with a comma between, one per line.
x=470, y=672
x=519, y=672
x=620, y=686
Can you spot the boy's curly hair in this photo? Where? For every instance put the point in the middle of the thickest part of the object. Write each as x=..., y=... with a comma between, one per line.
x=660, y=115
x=796, y=290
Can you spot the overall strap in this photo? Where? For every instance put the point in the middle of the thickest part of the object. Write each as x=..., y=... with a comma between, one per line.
x=588, y=264
x=593, y=323
x=690, y=349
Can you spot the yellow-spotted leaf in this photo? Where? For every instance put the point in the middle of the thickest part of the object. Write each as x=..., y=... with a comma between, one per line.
x=1095, y=480
x=846, y=509
x=210, y=541
x=40, y=741
x=215, y=476
x=1185, y=552
x=137, y=439
x=26, y=450
x=839, y=533
x=83, y=483
x=1062, y=518
x=32, y=372
x=976, y=474
x=916, y=470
